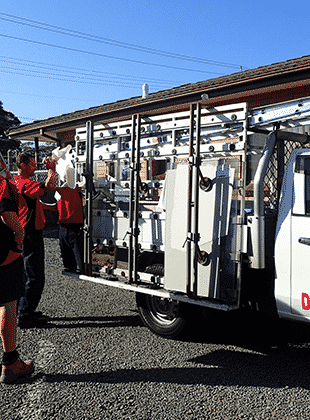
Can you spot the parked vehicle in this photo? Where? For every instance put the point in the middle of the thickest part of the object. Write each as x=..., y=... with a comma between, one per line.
x=202, y=208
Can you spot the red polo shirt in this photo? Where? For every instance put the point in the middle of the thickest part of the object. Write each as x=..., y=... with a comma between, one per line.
x=30, y=212
x=8, y=202
x=70, y=208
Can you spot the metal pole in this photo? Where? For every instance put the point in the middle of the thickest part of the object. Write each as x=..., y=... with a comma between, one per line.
x=242, y=177
x=258, y=219
x=281, y=170
x=189, y=201
x=243, y=166
x=136, y=202
x=89, y=183
x=36, y=147
x=131, y=199
x=9, y=159
x=117, y=169
x=196, y=201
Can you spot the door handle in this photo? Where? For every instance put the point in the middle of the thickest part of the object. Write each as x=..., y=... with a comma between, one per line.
x=304, y=241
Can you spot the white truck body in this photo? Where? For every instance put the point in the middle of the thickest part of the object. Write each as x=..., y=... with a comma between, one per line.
x=195, y=206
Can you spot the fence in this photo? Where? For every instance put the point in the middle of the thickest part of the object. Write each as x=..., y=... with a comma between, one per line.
x=40, y=176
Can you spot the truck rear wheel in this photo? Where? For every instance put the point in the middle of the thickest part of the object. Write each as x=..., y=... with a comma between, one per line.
x=161, y=316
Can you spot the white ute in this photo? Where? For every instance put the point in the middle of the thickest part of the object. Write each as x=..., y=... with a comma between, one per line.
x=208, y=207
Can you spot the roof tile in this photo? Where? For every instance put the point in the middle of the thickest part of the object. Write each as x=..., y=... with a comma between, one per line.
x=259, y=73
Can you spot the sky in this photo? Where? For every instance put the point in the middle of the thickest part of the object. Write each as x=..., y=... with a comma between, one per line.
x=60, y=56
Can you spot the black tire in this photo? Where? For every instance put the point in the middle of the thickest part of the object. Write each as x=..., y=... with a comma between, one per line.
x=162, y=316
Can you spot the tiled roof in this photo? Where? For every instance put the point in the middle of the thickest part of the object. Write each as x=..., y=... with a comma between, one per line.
x=236, y=79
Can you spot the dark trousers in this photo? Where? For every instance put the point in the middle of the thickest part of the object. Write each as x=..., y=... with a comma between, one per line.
x=71, y=246
x=33, y=257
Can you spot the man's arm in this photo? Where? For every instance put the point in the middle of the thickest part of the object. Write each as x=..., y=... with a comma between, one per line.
x=50, y=183
x=10, y=218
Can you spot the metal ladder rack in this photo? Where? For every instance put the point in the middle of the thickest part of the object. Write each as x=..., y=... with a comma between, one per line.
x=133, y=248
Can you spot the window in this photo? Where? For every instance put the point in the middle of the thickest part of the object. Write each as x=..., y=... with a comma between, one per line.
x=302, y=185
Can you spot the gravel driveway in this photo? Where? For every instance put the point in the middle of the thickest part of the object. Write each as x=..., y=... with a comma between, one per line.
x=95, y=360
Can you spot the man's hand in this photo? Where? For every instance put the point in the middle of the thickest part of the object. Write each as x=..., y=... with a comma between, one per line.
x=49, y=163
x=50, y=183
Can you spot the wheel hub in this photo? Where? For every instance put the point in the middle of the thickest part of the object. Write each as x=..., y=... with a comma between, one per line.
x=164, y=311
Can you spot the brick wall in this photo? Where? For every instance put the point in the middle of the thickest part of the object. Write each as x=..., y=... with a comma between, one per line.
x=144, y=170
x=66, y=137
x=102, y=169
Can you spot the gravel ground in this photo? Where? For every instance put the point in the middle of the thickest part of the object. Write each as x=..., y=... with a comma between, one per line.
x=95, y=360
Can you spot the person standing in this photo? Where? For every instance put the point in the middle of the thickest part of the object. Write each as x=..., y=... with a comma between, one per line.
x=11, y=283
x=70, y=220
x=32, y=218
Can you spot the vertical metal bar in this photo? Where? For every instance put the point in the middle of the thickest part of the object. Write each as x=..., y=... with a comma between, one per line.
x=131, y=198
x=243, y=167
x=88, y=228
x=9, y=159
x=36, y=148
x=174, y=138
x=242, y=204
x=196, y=201
x=117, y=169
x=189, y=201
x=258, y=219
x=136, y=203
x=281, y=168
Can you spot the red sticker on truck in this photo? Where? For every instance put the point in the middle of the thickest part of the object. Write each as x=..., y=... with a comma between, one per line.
x=305, y=301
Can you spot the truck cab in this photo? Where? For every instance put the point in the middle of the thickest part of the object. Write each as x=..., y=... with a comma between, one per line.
x=292, y=239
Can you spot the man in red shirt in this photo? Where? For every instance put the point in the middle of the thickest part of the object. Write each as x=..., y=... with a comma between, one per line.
x=32, y=218
x=11, y=282
x=70, y=220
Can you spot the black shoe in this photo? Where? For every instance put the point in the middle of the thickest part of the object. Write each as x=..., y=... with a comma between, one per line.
x=39, y=314
x=32, y=322
x=69, y=270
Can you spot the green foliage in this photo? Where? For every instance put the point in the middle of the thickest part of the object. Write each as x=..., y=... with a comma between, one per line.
x=7, y=120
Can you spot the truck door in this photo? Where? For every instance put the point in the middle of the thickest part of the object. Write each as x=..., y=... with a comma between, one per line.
x=300, y=237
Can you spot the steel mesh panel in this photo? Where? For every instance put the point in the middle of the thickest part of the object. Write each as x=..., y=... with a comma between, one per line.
x=271, y=190
x=39, y=176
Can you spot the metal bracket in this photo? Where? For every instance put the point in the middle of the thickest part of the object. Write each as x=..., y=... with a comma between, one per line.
x=190, y=238
x=238, y=220
x=235, y=256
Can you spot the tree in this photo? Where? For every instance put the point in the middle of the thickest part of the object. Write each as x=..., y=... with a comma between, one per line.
x=7, y=120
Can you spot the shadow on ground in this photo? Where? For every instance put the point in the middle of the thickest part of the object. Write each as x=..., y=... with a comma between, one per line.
x=224, y=367
x=92, y=322
x=248, y=330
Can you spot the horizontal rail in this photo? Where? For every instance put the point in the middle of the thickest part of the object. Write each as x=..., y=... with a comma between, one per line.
x=165, y=294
